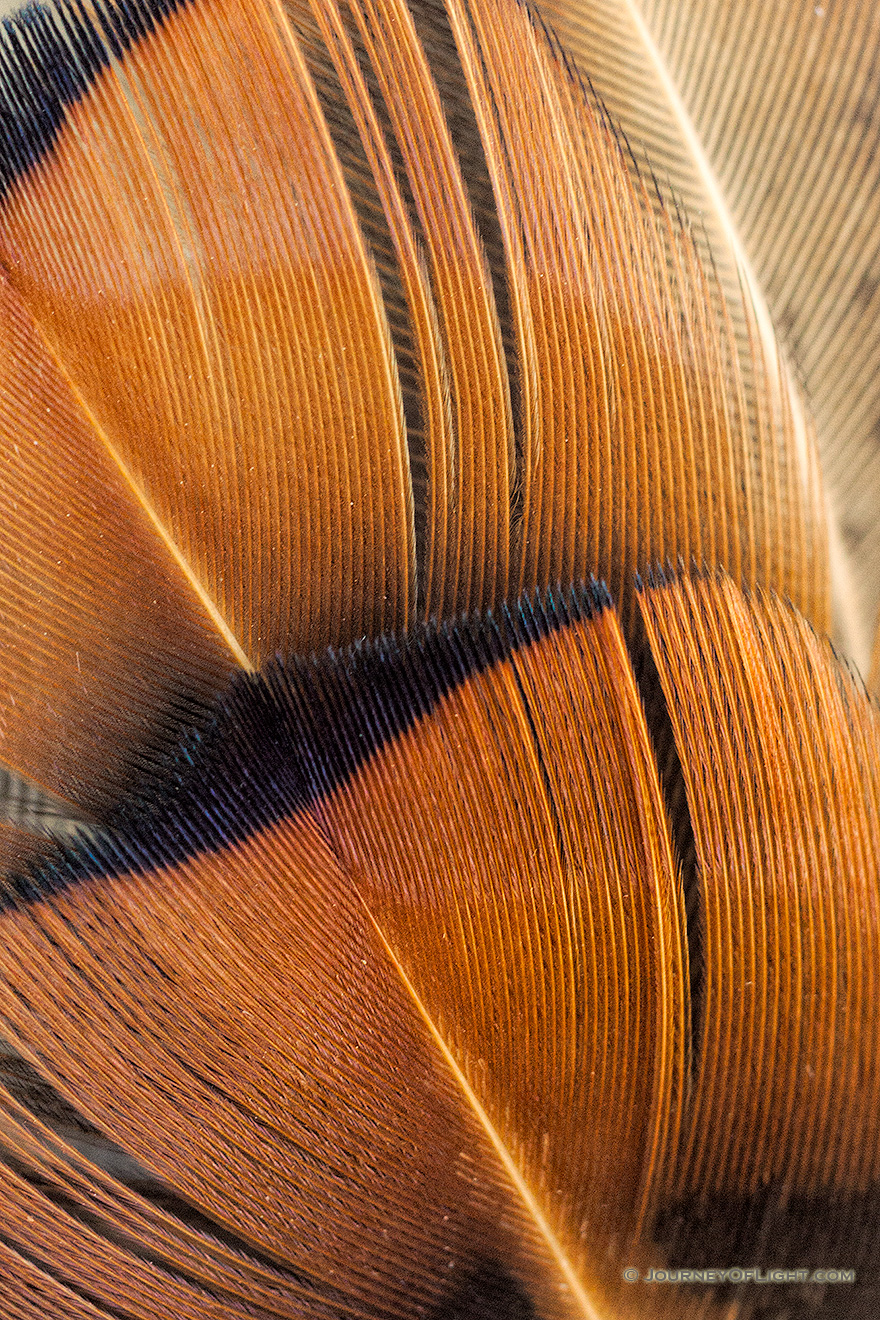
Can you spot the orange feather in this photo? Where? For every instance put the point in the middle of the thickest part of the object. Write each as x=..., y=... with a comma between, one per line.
x=441, y=852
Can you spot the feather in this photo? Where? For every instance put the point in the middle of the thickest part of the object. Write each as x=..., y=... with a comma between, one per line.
x=530, y=932
x=104, y=648
x=506, y=954
x=228, y=275
x=763, y=119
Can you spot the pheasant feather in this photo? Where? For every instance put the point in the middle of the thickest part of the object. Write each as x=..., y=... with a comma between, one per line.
x=441, y=851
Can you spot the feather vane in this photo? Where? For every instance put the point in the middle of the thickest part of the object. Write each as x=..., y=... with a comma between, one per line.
x=532, y=932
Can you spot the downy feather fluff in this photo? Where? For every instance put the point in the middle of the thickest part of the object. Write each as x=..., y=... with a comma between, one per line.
x=441, y=849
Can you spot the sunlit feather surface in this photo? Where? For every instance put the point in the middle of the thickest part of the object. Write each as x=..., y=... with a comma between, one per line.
x=763, y=119
x=534, y=931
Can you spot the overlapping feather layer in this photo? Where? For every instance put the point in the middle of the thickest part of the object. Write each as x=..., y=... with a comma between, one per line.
x=451, y=974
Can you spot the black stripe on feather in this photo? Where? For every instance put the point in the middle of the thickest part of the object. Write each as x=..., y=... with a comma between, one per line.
x=50, y=55
x=292, y=734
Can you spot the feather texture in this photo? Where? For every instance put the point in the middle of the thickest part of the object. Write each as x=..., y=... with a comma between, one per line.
x=235, y=282
x=763, y=119
x=532, y=932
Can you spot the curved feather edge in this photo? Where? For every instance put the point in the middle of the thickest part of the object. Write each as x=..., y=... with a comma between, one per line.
x=406, y=939
x=761, y=118
x=212, y=312
x=377, y=1080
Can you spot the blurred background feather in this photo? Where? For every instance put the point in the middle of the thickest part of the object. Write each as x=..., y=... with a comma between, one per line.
x=533, y=931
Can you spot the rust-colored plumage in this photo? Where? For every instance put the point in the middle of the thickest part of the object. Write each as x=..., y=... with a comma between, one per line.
x=532, y=934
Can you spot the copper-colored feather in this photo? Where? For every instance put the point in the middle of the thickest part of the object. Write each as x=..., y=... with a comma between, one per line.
x=104, y=646
x=531, y=933
x=511, y=963
x=763, y=119
x=779, y=750
x=257, y=411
